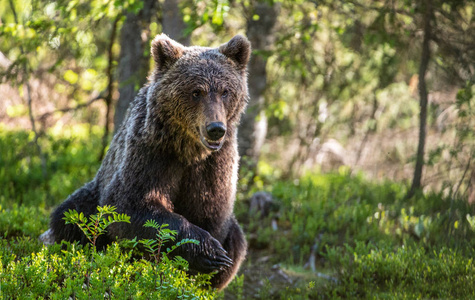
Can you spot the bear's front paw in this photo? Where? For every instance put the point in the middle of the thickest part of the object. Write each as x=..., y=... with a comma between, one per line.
x=208, y=256
x=213, y=256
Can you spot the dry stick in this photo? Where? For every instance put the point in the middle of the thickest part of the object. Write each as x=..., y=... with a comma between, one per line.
x=30, y=101
x=366, y=136
x=311, y=261
x=108, y=98
x=313, y=254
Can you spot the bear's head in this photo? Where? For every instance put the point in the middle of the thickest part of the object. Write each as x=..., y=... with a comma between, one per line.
x=203, y=91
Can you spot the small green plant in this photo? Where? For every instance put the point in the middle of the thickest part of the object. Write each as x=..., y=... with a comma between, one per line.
x=97, y=223
x=93, y=228
x=154, y=246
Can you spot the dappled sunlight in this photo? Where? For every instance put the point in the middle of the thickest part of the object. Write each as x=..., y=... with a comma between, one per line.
x=349, y=103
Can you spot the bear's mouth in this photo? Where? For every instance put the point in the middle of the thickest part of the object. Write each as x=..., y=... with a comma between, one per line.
x=210, y=144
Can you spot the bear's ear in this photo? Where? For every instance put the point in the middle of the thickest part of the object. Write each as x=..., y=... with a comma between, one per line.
x=165, y=51
x=237, y=49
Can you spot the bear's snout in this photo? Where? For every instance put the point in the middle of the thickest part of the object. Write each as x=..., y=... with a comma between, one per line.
x=212, y=135
x=216, y=130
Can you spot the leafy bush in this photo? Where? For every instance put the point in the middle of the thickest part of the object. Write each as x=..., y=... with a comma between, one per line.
x=97, y=223
x=367, y=239
x=71, y=160
x=407, y=272
x=17, y=221
x=83, y=273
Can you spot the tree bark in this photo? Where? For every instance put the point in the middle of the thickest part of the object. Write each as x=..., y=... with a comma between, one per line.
x=261, y=24
x=133, y=64
x=425, y=56
x=110, y=87
x=172, y=22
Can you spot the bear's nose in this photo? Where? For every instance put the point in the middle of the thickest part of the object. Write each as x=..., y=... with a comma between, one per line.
x=216, y=130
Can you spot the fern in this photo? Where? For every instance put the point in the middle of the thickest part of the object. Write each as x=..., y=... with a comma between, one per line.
x=163, y=235
x=97, y=223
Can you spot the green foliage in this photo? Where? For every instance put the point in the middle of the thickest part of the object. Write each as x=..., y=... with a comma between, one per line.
x=235, y=288
x=368, y=238
x=406, y=272
x=329, y=74
x=28, y=270
x=97, y=223
x=197, y=13
x=369, y=241
x=17, y=221
x=164, y=235
x=21, y=180
x=81, y=273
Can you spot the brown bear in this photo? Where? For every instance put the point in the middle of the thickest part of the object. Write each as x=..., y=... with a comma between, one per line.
x=175, y=158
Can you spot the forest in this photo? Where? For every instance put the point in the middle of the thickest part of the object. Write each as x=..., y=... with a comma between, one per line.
x=357, y=171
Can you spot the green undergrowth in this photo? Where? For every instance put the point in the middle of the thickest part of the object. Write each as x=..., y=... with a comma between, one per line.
x=368, y=240
x=29, y=270
x=334, y=236
x=77, y=272
x=71, y=158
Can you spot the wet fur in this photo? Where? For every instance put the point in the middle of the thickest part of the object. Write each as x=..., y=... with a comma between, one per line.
x=157, y=168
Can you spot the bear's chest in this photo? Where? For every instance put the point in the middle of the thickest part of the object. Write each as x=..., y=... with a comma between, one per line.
x=206, y=192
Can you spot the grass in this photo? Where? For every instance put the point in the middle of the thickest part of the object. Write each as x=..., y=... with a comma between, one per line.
x=334, y=236
x=368, y=241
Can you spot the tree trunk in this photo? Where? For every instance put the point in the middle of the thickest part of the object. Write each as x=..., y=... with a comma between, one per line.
x=425, y=56
x=172, y=22
x=133, y=64
x=261, y=33
x=110, y=88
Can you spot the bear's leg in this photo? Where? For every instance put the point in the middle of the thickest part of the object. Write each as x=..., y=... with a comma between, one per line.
x=85, y=200
x=236, y=246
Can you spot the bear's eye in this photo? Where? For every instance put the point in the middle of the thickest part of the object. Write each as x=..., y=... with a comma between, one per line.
x=225, y=94
x=196, y=94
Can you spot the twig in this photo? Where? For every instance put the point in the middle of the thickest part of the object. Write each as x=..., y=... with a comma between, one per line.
x=68, y=109
x=463, y=176
x=108, y=98
x=367, y=133
x=311, y=261
x=313, y=253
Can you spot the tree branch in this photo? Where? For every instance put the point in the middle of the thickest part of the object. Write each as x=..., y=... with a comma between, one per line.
x=44, y=116
x=464, y=173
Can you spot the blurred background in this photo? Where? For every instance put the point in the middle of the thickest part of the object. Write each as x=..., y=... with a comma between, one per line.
x=332, y=83
x=373, y=92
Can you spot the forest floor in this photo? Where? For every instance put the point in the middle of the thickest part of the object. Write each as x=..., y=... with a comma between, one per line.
x=333, y=235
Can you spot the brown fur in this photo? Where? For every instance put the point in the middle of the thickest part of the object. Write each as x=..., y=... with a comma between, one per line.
x=165, y=163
